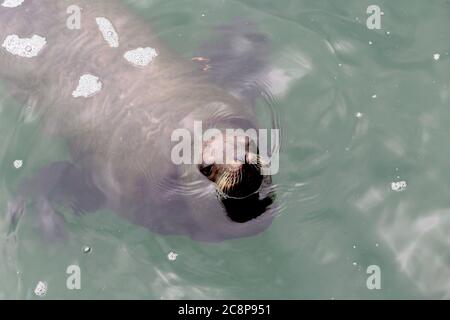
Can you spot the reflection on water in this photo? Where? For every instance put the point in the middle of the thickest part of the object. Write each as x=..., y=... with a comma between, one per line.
x=359, y=110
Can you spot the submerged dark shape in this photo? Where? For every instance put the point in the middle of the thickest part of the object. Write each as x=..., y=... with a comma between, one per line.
x=120, y=138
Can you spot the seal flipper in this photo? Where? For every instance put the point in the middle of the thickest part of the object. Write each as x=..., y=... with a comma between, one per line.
x=60, y=183
x=237, y=60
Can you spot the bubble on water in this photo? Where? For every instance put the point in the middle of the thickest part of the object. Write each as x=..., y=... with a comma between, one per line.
x=355, y=264
x=24, y=47
x=108, y=32
x=88, y=86
x=354, y=246
x=398, y=186
x=374, y=96
x=18, y=164
x=87, y=249
x=12, y=3
x=41, y=289
x=141, y=56
x=376, y=244
x=436, y=56
x=172, y=256
x=359, y=115
x=370, y=42
x=388, y=32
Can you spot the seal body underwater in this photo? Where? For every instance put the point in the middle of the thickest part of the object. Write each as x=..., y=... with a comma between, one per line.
x=119, y=136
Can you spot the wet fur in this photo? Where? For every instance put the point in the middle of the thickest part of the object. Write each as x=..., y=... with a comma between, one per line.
x=120, y=138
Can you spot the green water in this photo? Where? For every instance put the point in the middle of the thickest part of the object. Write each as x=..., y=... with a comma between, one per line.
x=359, y=109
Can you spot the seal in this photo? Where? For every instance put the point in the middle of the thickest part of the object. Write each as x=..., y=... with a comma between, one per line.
x=116, y=94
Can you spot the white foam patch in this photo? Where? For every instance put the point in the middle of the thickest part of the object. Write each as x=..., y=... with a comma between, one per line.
x=141, y=56
x=24, y=47
x=12, y=3
x=88, y=86
x=41, y=289
x=172, y=256
x=18, y=164
x=108, y=32
x=398, y=186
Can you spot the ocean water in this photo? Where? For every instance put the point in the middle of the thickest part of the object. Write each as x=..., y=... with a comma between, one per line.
x=364, y=174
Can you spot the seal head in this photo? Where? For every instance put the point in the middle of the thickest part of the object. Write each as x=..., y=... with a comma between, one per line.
x=234, y=165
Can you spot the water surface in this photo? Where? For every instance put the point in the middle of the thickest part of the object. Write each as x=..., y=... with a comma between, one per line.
x=358, y=108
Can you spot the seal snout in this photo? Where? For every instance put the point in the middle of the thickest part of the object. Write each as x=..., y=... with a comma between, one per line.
x=234, y=166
